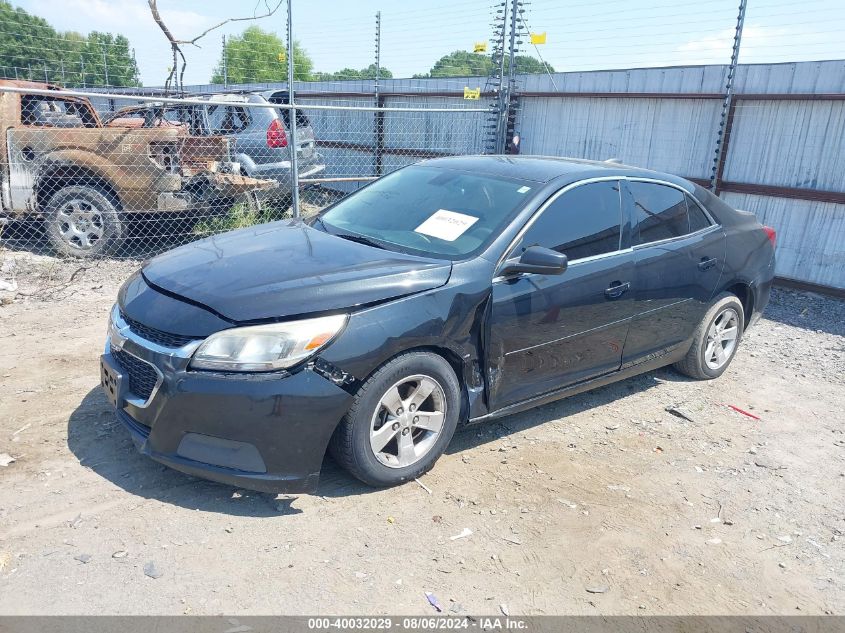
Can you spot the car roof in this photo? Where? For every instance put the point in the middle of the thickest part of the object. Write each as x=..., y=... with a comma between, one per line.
x=233, y=97
x=548, y=168
x=37, y=85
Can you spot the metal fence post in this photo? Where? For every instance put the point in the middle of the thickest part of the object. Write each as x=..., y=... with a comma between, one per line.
x=294, y=164
x=378, y=118
x=379, y=148
x=726, y=120
x=225, y=64
x=105, y=68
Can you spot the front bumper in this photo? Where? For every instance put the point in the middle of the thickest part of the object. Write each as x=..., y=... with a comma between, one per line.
x=266, y=432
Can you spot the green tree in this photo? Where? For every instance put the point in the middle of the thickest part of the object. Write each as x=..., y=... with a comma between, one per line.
x=108, y=61
x=528, y=65
x=350, y=73
x=32, y=49
x=370, y=72
x=258, y=56
x=462, y=64
x=466, y=64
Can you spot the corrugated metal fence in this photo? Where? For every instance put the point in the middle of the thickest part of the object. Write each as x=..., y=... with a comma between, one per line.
x=785, y=158
x=785, y=136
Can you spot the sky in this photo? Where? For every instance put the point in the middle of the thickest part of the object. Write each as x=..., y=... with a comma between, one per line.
x=581, y=34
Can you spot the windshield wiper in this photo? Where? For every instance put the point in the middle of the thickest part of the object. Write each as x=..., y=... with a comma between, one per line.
x=323, y=224
x=361, y=240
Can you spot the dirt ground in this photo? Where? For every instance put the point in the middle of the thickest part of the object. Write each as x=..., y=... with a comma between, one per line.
x=604, y=503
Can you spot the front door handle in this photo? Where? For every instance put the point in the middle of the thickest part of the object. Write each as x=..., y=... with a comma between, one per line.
x=706, y=264
x=617, y=289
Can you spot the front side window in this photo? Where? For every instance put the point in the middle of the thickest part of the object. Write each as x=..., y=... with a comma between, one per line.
x=583, y=222
x=430, y=211
x=46, y=111
x=660, y=212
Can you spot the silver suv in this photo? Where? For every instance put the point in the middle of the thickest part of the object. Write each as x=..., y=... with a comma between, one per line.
x=262, y=135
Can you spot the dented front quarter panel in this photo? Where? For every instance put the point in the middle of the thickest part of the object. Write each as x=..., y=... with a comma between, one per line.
x=449, y=320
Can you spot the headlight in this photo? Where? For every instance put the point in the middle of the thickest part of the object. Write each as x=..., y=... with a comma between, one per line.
x=266, y=347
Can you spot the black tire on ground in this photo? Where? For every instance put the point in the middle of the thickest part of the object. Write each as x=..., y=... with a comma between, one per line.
x=83, y=221
x=694, y=364
x=351, y=445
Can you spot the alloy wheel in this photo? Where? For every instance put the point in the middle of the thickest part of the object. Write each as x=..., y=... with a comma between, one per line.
x=408, y=421
x=722, y=338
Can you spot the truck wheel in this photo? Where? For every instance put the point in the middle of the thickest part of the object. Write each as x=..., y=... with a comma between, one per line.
x=83, y=221
x=401, y=420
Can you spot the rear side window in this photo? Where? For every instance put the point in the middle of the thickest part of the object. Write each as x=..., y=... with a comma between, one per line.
x=228, y=119
x=697, y=219
x=301, y=117
x=660, y=212
x=582, y=222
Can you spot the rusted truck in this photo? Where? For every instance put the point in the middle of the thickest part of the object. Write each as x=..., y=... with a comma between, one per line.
x=58, y=162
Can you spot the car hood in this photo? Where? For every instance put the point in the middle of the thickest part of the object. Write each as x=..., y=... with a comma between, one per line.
x=287, y=268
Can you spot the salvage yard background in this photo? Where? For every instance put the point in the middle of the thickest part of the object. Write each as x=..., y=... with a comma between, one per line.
x=783, y=158
x=658, y=495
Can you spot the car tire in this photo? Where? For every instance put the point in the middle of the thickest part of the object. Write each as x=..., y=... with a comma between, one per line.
x=383, y=412
x=83, y=221
x=704, y=361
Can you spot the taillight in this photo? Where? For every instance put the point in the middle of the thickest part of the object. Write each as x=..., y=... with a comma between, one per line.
x=276, y=136
x=770, y=233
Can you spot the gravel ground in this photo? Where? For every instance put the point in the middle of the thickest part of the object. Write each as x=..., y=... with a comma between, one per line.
x=604, y=503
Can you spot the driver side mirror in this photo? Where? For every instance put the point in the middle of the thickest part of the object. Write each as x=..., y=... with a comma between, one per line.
x=536, y=259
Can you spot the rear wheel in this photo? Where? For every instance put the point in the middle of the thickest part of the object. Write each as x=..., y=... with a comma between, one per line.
x=716, y=339
x=401, y=421
x=83, y=221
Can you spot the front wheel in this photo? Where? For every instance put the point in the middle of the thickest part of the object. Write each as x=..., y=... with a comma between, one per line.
x=401, y=421
x=716, y=339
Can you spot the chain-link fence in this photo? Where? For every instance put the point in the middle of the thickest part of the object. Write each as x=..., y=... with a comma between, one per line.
x=122, y=170
x=159, y=172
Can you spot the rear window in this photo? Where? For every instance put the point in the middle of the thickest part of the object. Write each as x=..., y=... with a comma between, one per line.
x=228, y=119
x=153, y=116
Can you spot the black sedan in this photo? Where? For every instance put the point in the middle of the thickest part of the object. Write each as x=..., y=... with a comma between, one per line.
x=449, y=292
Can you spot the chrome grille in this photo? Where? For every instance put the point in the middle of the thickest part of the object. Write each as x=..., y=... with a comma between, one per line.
x=157, y=336
x=142, y=375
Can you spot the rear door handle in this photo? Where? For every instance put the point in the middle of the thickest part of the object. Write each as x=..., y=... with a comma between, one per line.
x=706, y=264
x=617, y=289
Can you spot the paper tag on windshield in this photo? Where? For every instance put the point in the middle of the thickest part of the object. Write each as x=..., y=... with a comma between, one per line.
x=446, y=225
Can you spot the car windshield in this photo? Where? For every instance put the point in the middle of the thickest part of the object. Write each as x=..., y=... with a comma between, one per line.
x=432, y=211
